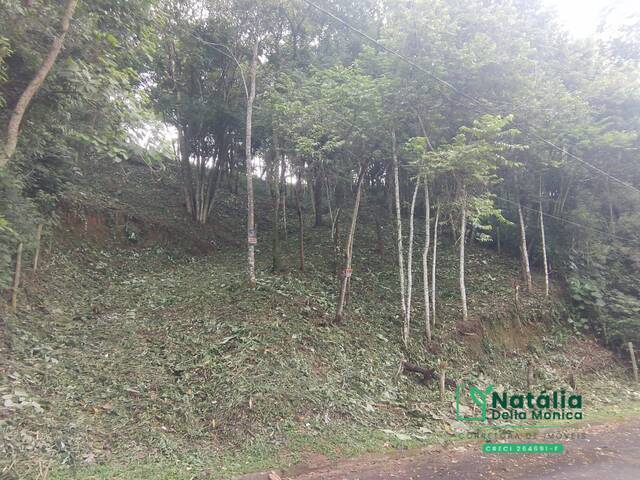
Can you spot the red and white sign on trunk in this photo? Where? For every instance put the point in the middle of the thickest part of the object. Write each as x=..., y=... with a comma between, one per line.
x=252, y=237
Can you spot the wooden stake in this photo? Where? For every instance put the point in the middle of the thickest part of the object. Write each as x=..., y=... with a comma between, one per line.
x=16, y=278
x=36, y=256
x=530, y=379
x=634, y=364
x=443, y=367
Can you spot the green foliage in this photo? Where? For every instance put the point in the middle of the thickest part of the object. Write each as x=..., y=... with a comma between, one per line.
x=132, y=74
x=156, y=81
x=5, y=51
x=83, y=110
x=18, y=220
x=472, y=160
x=605, y=295
x=475, y=153
x=169, y=357
x=588, y=301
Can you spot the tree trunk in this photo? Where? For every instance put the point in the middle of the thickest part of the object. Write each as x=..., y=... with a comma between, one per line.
x=276, y=197
x=349, y=253
x=185, y=165
x=634, y=364
x=283, y=199
x=425, y=262
x=544, y=246
x=16, y=279
x=317, y=199
x=399, y=230
x=442, y=384
x=388, y=185
x=251, y=228
x=334, y=223
x=217, y=170
x=612, y=222
x=336, y=245
x=13, y=128
x=530, y=375
x=407, y=320
x=453, y=227
x=332, y=216
x=433, y=266
x=311, y=196
x=463, y=236
x=524, y=253
x=36, y=256
x=298, y=194
x=567, y=187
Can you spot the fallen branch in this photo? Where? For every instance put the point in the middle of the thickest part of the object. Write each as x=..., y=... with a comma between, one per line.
x=427, y=373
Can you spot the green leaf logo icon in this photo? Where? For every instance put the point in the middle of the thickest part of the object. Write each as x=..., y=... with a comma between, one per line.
x=479, y=398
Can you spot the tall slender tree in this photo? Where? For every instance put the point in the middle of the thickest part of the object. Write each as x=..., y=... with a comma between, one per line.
x=425, y=260
x=251, y=226
x=13, y=128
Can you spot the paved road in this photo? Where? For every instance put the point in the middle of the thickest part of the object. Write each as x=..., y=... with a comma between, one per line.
x=605, y=452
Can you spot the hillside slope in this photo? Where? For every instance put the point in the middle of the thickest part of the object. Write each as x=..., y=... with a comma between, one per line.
x=138, y=348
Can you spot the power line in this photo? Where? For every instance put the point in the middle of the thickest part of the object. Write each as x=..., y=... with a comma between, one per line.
x=462, y=93
x=393, y=52
x=549, y=215
x=564, y=220
x=575, y=157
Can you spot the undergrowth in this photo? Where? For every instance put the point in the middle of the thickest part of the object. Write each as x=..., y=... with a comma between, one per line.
x=128, y=362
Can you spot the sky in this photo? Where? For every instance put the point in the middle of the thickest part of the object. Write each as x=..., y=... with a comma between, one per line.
x=582, y=17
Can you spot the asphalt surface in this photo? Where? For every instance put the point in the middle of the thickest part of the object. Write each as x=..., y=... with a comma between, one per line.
x=599, y=452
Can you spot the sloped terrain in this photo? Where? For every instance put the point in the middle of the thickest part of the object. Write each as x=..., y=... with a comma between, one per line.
x=144, y=358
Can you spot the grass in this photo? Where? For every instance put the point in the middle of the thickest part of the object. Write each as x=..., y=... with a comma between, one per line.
x=153, y=363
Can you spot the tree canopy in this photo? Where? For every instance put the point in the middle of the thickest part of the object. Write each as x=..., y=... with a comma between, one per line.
x=503, y=117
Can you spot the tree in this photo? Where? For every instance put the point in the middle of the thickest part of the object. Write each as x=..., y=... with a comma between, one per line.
x=243, y=82
x=543, y=239
x=13, y=128
x=251, y=227
x=472, y=159
x=346, y=272
x=328, y=123
x=425, y=261
x=403, y=301
x=524, y=251
x=200, y=87
x=83, y=113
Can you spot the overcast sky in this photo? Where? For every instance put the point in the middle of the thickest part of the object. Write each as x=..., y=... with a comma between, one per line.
x=582, y=17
